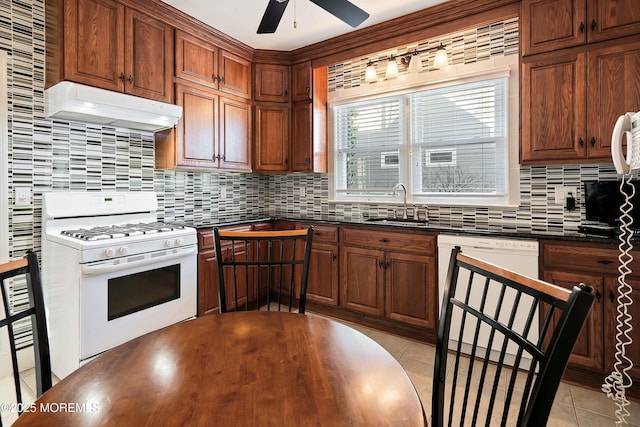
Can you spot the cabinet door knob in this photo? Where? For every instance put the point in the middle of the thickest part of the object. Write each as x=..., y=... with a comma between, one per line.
x=121, y=77
x=333, y=257
x=593, y=141
x=130, y=78
x=581, y=142
x=593, y=25
x=308, y=89
x=582, y=27
x=380, y=264
x=598, y=296
x=612, y=297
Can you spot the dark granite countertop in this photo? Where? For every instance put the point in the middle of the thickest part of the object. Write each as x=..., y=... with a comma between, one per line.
x=570, y=236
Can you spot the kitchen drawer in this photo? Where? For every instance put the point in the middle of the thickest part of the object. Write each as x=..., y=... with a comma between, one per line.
x=584, y=258
x=322, y=233
x=408, y=241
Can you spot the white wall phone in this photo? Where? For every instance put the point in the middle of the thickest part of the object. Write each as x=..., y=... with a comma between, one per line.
x=628, y=125
x=619, y=380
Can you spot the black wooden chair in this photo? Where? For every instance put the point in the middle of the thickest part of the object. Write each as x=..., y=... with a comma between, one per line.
x=13, y=275
x=492, y=368
x=259, y=269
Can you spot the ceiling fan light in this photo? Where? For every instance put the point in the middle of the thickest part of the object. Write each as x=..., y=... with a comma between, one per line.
x=441, y=59
x=415, y=65
x=392, y=69
x=370, y=74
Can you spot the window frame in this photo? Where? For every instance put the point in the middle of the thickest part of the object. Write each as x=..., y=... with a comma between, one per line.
x=496, y=67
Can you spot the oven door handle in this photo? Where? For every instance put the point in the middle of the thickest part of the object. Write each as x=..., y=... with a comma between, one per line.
x=117, y=264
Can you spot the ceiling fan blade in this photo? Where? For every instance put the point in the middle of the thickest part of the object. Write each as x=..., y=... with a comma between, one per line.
x=344, y=10
x=272, y=16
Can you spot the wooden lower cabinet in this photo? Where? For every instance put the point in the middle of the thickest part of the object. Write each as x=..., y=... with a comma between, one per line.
x=568, y=264
x=208, y=273
x=588, y=351
x=632, y=350
x=391, y=274
x=410, y=281
x=322, y=283
x=362, y=283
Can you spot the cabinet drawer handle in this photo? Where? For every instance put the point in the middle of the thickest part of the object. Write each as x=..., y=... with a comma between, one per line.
x=384, y=240
x=605, y=262
x=612, y=297
x=582, y=27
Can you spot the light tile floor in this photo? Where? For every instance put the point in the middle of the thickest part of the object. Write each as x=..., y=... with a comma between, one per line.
x=574, y=406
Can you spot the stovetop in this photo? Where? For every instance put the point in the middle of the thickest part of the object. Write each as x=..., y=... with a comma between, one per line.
x=121, y=230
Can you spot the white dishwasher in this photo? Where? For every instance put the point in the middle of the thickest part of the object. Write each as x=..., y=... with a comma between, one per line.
x=517, y=255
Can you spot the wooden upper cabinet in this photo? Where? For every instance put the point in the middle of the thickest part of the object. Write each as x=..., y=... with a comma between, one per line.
x=301, y=82
x=101, y=43
x=204, y=63
x=214, y=132
x=552, y=24
x=271, y=152
x=309, y=123
x=235, y=74
x=613, y=89
x=196, y=60
x=548, y=25
x=612, y=19
x=272, y=83
x=93, y=36
x=148, y=57
x=570, y=102
x=553, y=108
x=302, y=136
x=235, y=134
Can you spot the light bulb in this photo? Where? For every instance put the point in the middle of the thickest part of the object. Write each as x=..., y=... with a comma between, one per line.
x=441, y=59
x=415, y=65
x=392, y=69
x=370, y=75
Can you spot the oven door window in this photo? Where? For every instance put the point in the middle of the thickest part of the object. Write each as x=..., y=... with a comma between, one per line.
x=139, y=291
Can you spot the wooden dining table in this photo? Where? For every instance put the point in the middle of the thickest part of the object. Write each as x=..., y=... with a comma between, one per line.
x=237, y=369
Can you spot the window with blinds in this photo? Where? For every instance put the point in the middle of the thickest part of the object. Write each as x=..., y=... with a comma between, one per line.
x=447, y=143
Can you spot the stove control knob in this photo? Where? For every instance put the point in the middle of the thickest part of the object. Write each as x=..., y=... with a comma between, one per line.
x=168, y=243
x=109, y=252
x=123, y=250
x=179, y=241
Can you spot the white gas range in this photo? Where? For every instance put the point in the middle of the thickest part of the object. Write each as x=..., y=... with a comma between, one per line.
x=111, y=272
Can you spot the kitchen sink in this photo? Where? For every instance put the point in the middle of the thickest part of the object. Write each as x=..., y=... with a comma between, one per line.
x=398, y=220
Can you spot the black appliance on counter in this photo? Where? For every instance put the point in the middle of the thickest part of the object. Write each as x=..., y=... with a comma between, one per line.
x=602, y=201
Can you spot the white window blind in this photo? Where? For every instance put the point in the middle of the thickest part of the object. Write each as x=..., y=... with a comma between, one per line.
x=458, y=139
x=370, y=146
x=446, y=143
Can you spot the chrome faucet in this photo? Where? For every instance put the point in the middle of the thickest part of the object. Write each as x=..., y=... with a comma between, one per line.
x=400, y=186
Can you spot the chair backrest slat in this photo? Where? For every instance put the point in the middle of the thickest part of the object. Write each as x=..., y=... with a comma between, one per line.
x=26, y=269
x=498, y=349
x=273, y=264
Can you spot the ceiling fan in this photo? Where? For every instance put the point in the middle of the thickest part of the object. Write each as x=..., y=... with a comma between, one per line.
x=341, y=9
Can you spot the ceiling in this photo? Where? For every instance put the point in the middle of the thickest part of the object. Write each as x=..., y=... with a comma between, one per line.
x=240, y=18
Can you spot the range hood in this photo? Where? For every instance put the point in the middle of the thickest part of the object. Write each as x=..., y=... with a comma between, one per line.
x=76, y=102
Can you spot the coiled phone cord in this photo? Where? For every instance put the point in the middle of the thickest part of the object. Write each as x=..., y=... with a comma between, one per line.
x=616, y=384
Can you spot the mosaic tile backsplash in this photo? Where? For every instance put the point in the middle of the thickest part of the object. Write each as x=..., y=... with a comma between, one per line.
x=50, y=155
